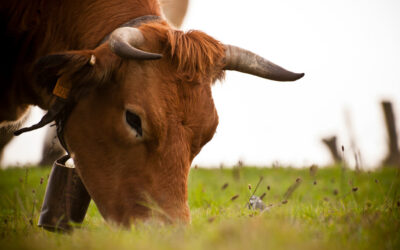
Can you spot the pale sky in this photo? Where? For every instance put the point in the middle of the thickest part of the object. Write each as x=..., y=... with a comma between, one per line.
x=350, y=53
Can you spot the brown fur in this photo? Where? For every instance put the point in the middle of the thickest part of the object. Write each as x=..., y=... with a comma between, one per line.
x=35, y=28
x=128, y=177
x=194, y=54
x=175, y=104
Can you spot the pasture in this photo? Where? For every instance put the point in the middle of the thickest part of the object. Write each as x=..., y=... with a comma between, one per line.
x=310, y=208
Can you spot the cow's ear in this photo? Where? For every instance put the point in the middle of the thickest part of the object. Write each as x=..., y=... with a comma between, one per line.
x=83, y=70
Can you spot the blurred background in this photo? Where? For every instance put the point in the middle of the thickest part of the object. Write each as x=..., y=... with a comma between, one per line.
x=350, y=53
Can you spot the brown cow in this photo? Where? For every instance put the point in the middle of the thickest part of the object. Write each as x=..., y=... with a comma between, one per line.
x=135, y=107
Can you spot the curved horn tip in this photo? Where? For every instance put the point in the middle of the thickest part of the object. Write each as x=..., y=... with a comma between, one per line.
x=291, y=78
x=299, y=76
x=250, y=63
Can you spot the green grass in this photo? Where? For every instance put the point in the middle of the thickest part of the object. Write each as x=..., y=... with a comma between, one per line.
x=329, y=209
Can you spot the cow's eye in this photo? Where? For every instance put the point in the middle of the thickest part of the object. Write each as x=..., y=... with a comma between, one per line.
x=134, y=121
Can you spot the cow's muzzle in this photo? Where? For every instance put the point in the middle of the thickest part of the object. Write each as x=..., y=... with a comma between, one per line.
x=66, y=199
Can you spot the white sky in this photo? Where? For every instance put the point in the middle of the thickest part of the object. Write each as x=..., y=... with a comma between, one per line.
x=350, y=52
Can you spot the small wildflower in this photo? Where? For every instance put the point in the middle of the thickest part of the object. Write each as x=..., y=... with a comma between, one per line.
x=354, y=189
x=224, y=186
x=335, y=192
x=284, y=202
x=315, y=182
x=234, y=197
x=376, y=181
x=256, y=203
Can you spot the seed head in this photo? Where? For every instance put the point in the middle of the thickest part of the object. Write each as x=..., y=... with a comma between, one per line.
x=211, y=219
x=225, y=186
x=262, y=196
x=354, y=189
x=315, y=182
x=41, y=180
x=234, y=197
x=284, y=202
x=249, y=186
x=335, y=192
x=268, y=188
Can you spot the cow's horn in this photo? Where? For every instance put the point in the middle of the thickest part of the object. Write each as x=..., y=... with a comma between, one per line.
x=248, y=62
x=123, y=42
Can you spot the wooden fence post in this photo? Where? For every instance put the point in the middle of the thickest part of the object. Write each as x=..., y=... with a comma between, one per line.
x=393, y=156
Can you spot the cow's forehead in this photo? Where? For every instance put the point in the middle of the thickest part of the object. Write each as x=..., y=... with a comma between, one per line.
x=147, y=85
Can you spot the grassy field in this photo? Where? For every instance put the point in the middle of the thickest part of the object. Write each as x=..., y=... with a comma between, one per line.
x=326, y=208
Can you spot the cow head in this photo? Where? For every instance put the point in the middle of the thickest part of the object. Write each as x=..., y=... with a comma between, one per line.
x=143, y=109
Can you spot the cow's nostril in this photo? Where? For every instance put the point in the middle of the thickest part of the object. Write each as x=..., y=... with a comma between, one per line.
x=134, y=121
